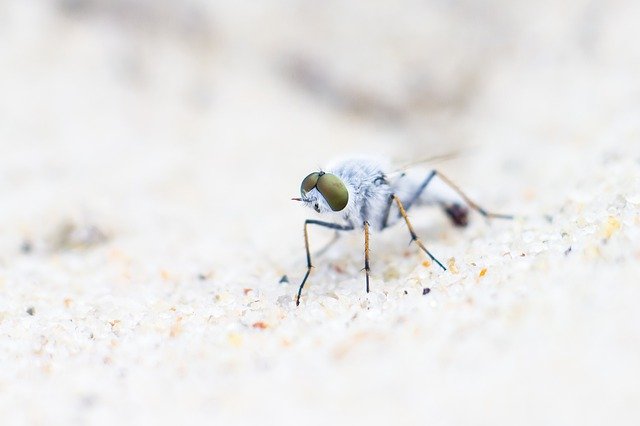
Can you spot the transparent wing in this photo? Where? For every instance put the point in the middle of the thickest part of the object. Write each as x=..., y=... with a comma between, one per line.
x=431, y=160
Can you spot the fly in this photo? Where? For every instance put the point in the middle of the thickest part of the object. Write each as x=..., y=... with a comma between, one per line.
x=360, y=194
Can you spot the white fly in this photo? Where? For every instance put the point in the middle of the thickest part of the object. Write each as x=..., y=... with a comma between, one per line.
x=361, y=194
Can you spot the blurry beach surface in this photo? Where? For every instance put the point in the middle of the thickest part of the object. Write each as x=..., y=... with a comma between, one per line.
x=148, y=153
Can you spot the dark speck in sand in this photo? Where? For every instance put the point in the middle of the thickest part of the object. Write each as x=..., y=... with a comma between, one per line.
x=26, y=247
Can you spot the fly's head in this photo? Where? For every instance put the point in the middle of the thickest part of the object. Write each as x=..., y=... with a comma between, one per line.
x=324, y=192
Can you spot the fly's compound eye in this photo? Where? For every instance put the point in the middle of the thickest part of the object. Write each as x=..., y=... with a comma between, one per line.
x=309, y=183
x=333, y=190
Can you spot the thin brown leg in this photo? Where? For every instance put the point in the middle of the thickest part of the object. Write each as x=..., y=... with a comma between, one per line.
x=366, y=253
x=470, y=202
x=414, y=236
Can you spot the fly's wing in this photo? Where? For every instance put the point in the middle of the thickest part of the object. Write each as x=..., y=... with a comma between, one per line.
x=431, y=160
x=435, y=159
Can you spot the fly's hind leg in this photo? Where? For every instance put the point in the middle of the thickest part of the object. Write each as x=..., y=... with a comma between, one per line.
x=456, y=211
x=329, y=225
x=323, y=250
x=470, y=202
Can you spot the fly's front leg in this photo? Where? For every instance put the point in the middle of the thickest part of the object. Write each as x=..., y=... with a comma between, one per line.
x=329, y=225
x=414, y=236
x=367, y=269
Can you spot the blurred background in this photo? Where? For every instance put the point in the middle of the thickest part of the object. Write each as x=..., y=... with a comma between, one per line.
x=171, y=135
x=137, y=109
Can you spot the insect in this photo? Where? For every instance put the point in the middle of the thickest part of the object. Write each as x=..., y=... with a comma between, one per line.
x=360, y=194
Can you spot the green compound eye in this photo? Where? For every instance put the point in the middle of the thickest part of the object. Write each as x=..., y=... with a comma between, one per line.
x=333, y=190
x=309, y=183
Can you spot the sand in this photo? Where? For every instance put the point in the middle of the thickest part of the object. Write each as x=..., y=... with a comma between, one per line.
x=148, y=154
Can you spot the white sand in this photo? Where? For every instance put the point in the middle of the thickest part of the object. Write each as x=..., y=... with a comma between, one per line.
x=148, y=151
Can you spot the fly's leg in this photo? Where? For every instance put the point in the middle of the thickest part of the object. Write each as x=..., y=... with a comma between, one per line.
x=470, y=202
x=327, y=246
x=329, y=225
x=414, y=236
x=387, y=212
x=456, y=212
x=367, y=269
x=420, y=190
